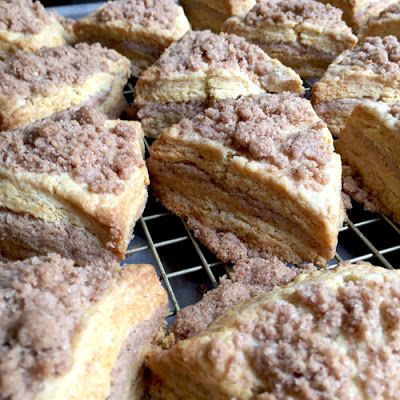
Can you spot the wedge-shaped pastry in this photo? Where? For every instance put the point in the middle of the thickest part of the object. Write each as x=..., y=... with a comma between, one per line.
x=25, y=25
x=74, y=185
x=324, y=336
x=203, y=67
x=36, y=85
x=304, y=35
x=76, y=333
x=138, y=29
x=210, y=14
x=371, y=71
x=384, y=24
x=357, y=12
x=370, y=144
x=260, y=169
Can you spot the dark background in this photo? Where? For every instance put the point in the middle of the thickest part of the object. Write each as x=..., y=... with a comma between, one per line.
x=52, y=3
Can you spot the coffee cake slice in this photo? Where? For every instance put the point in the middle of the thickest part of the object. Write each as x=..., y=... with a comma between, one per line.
x=357, y=12
x=139, y=29
x=201, y=68
x=260, y=170
x=323, y=336
x=36, y=85
x=304, y=35
x=76, y=333
x=74, y=185
x=370, y=71
x=370, y=145
x=210, y=14
x=25, y=25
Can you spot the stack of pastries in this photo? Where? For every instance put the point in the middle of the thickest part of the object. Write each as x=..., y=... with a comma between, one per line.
x=238, y=151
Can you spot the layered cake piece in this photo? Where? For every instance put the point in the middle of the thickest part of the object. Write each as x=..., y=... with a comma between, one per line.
x=253, y=176
x=304, y=35
x=36, y=85
x=324, y=336
x=357, y=12
x=210, y=14
x=76, y=333
x=74, y=185
x=138, y=29
x=25, y=25
x=201, y=68
x=371, y=71
x=370, y=145
x=384, y=24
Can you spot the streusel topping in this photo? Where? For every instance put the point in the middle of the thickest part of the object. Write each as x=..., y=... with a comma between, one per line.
x=281, y=130
x=391, y=11
x=78, y=144
x=142, y=12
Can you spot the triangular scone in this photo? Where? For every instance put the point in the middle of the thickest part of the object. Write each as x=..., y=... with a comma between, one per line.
x=260, y=169
x=371, y=71
x=304, y=35
x=357, y=12
x=204, y=67
x=384, y=24
x=25, y=25
x=138, y=29
x=37, y=85
x=76, y=333
x=324, y=336
x=75, y=185
x=370, y=145
x=210, y=14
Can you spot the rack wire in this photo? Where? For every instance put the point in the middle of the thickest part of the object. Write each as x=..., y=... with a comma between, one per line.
x=187, y=269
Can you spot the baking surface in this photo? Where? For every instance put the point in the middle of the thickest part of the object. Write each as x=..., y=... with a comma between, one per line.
x=187, y=269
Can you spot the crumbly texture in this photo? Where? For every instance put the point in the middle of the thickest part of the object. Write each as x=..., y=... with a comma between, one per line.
x=377, y=55
x=23, y=16
x=146, y=13
x=79, y=145
x=254, y=126
x=31, y=74
x=42, y=301
x=288, y=11
x=249, y=278
x=389, y=12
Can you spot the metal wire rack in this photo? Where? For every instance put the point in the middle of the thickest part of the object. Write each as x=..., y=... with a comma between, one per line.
x=187, y=269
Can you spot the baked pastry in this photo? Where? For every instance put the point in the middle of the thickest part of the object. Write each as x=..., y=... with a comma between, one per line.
x=210, y=14
x=370, y=145
x=203, y=67
x=253, y=175
x=324, y=336
x=357, y=12
x=76, y=333
x=384, y=24
x=25, y=25
x=74, y=185
x=371, y=71
x=138, y=29
x=304, y=35
x=36, y=85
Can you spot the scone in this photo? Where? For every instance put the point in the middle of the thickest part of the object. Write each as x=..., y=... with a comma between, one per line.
x=138, y=29
x=210, y=14
x=384, y=24
x=304, y=35
x=76, y=333
x=357, y=12
x=260, y=170
x=25, y=25
x=201, y=68
x=74, y=185
x=36, y=85
x=370, y=145
x=328, y=335
x=371, y=71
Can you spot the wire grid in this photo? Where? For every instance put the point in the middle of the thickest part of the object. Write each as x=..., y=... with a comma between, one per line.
x=187, y=269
